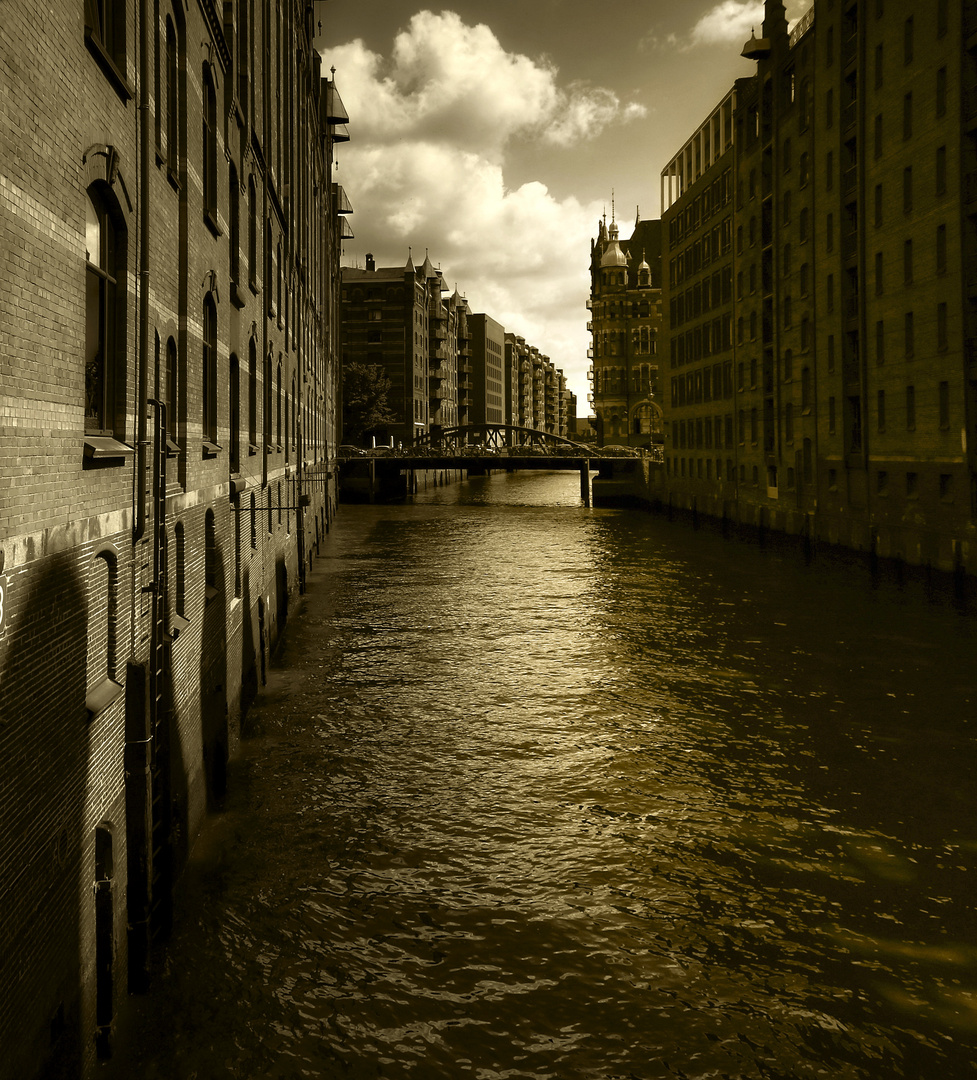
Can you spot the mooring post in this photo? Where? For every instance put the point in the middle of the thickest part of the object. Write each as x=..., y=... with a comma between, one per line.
x=585, y=481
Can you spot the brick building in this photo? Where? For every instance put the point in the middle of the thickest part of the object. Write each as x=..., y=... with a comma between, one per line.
x=625, y=323
x=847, y=407
x=488, y=363
x=168, y=386
x=446, y=364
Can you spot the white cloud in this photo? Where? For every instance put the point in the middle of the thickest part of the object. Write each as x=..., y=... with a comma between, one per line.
x=728, y=22
x=425, y=169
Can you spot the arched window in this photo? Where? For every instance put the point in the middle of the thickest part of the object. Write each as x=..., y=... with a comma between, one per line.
x=252, y=395
x=209, y=147
x=208, y=397
x=103, y=632
x=171, y=397
x=278, y=405
x=105, y=266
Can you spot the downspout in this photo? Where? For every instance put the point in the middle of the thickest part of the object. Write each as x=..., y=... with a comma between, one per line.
x=143, y=315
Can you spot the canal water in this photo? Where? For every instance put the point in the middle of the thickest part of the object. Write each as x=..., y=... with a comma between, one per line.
x=542, y=791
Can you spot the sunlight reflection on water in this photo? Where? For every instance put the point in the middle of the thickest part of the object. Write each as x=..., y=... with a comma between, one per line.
x=548, y=792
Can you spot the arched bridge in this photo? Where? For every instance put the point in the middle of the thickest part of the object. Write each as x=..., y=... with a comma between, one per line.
x=468, y=438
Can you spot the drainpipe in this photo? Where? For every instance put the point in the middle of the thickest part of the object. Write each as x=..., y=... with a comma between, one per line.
x=143, y=316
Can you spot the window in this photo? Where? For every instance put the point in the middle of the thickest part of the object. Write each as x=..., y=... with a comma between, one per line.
x=941, y=249
x=830, y=300
x=252, y=396
x=878, y=135
x=941, y=92
x=907, y=39
x=831, y=416
x=907, y=262
x=880, y=342
x=211, y=558
x=942, y=341
x=209, y=178
x=829, y=108
x=879, y=276
x=171, y=398
x=208, y=397
x=944, y=398
x=105, y=363
x=105, y=36
x=907, y=188
x=909, y=336
x=806, y=392
x=789, y=423
x=941, y=170
x=907, y=116
x=878, y=66
x=278, y=406
x=878, y=205
x=234, y=414
x=829, y=170
x=252, y=235
x=102, y=632
x=910, y=408
x=172, y=100
x=234, y=244
x=912, y=485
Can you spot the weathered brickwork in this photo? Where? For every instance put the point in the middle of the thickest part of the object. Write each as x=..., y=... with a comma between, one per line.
x=169, y=291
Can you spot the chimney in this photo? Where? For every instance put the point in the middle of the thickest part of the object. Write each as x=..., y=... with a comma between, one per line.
x=370, y=264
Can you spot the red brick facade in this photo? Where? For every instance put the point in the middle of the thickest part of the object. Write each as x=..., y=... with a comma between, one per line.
x=169, y=252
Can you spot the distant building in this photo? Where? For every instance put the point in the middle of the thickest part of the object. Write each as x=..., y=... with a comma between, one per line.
x=840, y=178
x=394, y=317
x=488, y=371
x=625, y=323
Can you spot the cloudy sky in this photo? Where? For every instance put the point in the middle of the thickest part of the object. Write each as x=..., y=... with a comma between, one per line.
x=491, y=134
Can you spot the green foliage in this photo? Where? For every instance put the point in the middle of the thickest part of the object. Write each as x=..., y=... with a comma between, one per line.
x=365, y=408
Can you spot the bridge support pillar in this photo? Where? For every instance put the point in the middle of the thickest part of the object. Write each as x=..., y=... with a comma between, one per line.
x=585, y=482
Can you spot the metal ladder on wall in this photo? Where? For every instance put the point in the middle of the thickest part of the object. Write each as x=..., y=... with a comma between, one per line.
x=161, y=875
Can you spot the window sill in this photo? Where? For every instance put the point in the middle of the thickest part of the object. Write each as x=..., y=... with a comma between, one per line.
x=173, y=178
x=101, y=696
x=108, y=65
x=176, y=624
x=211, y=449
x=210, y=594
x=237, y=297
x=104, y=449
x=252, y=449
x=172, y=449
x=238, y=486
x=210, y=220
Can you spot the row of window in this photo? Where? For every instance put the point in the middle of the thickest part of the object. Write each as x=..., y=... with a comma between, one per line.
x=701, y=468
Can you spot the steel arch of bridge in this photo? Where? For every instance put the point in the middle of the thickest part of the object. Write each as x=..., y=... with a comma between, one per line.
x=496, y=437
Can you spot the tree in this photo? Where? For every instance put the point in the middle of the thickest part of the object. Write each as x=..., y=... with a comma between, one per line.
x=365, y=408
